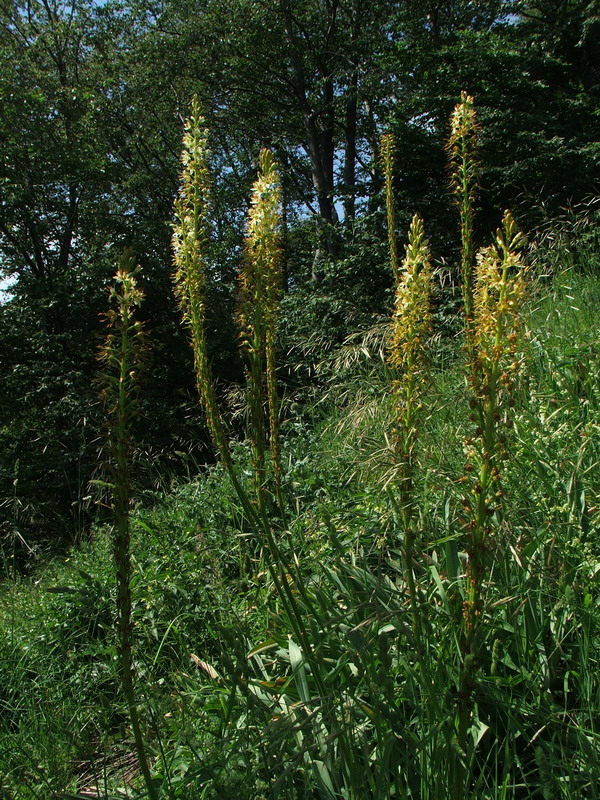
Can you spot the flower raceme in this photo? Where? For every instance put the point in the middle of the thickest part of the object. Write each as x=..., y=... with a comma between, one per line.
x=260, y=278
x=498, y=295
x=410, y=327
x=190, y=257
x=462, y=147
x=260, y=288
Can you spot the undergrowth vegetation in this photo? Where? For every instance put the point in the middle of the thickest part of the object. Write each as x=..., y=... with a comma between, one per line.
x=389, y=595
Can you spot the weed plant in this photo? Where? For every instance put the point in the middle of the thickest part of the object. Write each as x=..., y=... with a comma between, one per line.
x=260, y=284
x=462, y=148
x=120, y=358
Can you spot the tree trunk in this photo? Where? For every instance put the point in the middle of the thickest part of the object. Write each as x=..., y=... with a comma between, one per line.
x=319, y=127
x=350, y=152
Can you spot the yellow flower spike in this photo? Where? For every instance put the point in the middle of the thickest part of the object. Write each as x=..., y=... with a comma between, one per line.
x=191, y=241
x=260, y=288
x=410, y=328
x=462, y=147
x=499, y=292
x=190, y=257
x=412, y=315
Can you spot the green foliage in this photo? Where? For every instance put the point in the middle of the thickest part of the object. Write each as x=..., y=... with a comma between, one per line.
x=49, y=417
x=537, y=143
x=59, y=671
x=94, y=94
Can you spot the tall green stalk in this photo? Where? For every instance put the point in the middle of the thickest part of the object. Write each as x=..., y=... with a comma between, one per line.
x=191, y=235
x=120, y=358
x=190, y=248
x=498, y=295
x=387, y=156
x=260, y=284
x=410, y=328
x=462, y=147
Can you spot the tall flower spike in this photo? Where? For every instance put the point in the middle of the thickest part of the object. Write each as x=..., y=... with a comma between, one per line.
x=260, y=287
x=387, y=156
x=412, y=316
x=120, y=358
x=260, y=278
x=499, y=291
x=462, y=147
x=410, y=327
x=190, y=256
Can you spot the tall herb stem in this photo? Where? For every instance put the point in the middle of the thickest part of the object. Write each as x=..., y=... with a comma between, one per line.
x=120, y=359
x=191, y=237
x=498, y=295
x=190, y=248
x=387, y=156
x=462, y=147
x=260, y=284
x=411, y=325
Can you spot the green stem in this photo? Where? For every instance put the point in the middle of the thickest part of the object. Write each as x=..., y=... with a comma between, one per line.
x=274, y=433
x=125, y=359
x=408, y=503
x=479, y=535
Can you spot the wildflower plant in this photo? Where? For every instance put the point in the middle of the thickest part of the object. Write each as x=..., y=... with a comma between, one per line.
x=462, y=147
x=498, y=296
x=191, y=237
x=190, y=255
x=120, y=358
x=260, y=287
x=499, y=293
x=407, y=355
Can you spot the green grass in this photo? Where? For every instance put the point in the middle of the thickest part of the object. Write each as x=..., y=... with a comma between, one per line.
x=243, y=702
